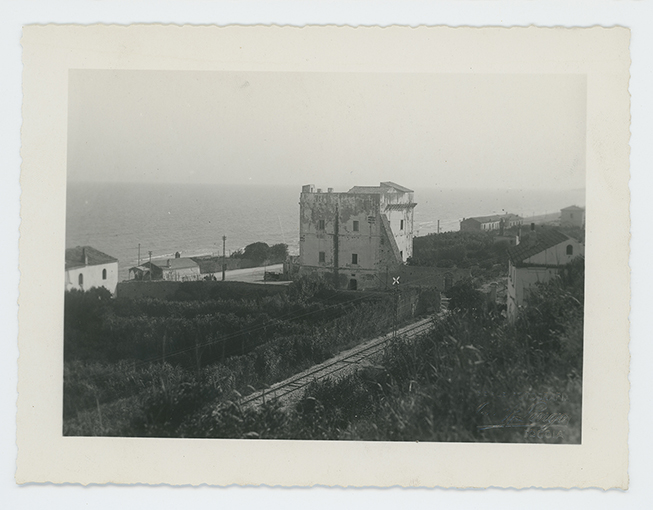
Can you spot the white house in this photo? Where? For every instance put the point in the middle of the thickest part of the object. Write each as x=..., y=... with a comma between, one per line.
x=87, y=267
x=572, y=216
x=536, y=260
x=494, y=222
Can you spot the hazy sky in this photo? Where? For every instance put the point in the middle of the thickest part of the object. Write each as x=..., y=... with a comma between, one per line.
x=330, y=129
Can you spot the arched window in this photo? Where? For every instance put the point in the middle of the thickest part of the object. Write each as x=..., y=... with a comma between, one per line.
x=80, y=279
x=104, y=274
x=570, y=249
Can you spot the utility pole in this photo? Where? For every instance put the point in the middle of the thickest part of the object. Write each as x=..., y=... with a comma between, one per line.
x=395, y=284
x=438, y=226
x=150, y=265
x=224, y=259
x=336, y=249
x=139, y=254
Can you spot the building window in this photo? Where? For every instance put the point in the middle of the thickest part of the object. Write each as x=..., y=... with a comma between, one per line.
x=401, y=224
x=320, y=225
x=104, y=274
x=353, y=284
x=570, y=249
x=80, y=279
x=322, y=257
x=355, y=226
x=401, y=255
x=354, y=258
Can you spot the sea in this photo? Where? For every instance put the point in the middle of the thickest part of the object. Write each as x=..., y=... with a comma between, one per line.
x=117, y=218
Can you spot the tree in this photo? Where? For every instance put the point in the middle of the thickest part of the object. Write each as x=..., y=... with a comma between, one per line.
x=257, y=252
x=465, y=298
x=279, y=252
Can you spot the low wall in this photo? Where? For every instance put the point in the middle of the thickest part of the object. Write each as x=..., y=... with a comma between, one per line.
x=214, y=264
x=210, y=265
x=430, y=276
x=196, y=290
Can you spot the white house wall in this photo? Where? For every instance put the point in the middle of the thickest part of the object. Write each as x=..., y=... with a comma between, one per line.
x=539, y=268
x=520, y=281
x=93, y=277
x=403, y=237
x=557, y=255
x=575, y=218
x=176, y=275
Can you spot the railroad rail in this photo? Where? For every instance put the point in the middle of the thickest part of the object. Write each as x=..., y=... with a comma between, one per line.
x=338, y=366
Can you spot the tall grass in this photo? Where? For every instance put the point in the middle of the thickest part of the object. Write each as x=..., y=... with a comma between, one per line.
x=472, y=378
x=99, y=394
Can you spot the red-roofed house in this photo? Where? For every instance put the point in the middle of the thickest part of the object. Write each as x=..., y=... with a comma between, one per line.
x=537, y=260
x=87, y=267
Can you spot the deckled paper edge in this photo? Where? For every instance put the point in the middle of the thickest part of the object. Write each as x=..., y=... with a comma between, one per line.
x=44, y=455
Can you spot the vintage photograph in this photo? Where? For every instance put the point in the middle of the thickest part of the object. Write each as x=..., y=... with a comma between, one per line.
x=351, y=256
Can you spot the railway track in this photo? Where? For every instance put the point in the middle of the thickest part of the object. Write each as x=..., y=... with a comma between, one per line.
x=343, y=364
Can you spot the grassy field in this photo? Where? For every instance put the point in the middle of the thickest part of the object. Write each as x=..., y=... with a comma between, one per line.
x=474, y=377
x=131, y=364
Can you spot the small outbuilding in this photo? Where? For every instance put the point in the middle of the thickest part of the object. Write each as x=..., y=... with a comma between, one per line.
x=174, y=269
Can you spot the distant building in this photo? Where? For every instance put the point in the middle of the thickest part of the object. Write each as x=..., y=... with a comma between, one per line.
x=175, y=269
x=537, y=260
x=572, y=216
x=357, y=236
x=87, y=267
x=494, y=222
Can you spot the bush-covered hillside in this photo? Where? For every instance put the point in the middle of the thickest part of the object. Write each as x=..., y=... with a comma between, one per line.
x=460, y=249
x=122, y=353
x=474, y=377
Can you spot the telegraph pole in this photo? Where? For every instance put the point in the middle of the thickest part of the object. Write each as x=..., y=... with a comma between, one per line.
x=139, y=254
x=395, y=285
x=224, y=259
x=150, y=264
x=336, y=249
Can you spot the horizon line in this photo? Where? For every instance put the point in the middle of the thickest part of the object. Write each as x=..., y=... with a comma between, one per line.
x=285, y=185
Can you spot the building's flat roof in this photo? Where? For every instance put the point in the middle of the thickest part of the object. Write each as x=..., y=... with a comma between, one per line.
x=396, y=186
x=382, y=188
x=372, y=190
x=179, y=263
x=493, y=217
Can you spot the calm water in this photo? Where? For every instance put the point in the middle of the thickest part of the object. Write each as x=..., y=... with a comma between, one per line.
x=166, y=218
